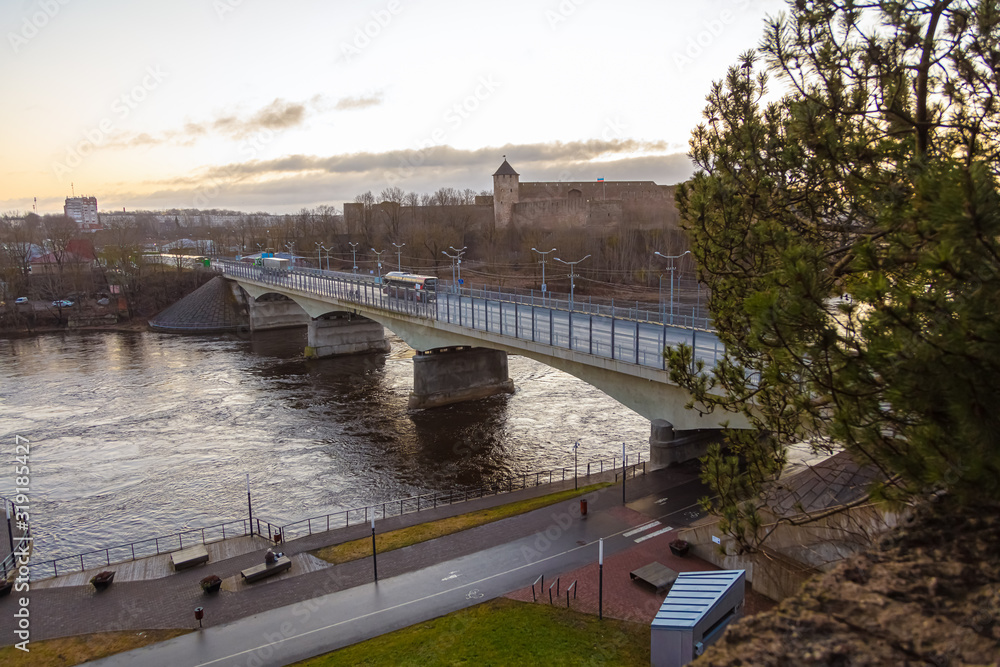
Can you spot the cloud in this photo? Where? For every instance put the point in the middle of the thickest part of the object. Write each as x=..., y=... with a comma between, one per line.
x=361, y=102
x=289, y=183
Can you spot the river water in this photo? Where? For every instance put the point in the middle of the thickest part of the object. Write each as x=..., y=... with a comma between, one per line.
x=135, y=435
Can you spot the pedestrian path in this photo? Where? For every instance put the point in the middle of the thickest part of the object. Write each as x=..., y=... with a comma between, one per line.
x=429, y=578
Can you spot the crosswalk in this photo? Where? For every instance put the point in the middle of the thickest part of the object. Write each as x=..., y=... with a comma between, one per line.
x=645, y=527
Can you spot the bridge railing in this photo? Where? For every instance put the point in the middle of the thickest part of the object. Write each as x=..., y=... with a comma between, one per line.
x=628, y=334
x=633, y=465
x=20, y=535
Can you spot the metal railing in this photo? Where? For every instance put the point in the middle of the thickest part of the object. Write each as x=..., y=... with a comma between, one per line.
x=154, y=546
x=628, y=334
x=427, y=501
x=165, y=544
x=22, y=543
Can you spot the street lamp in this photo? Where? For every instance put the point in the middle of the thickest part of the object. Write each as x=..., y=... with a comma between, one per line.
x=378, y=256
x=572, y=276
x=319, y=255
x=327, y=257
x=575, y=448
x=543, y=254
x=455, y=259
x=290, y=247
x=354, y=254
x=399, y=256
x=671, y=269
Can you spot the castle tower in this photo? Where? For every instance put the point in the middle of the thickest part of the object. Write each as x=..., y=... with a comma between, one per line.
x=505, y=193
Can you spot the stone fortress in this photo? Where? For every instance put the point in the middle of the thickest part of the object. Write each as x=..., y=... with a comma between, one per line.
x=553, y=204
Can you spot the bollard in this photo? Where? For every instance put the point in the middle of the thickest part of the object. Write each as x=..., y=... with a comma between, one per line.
x=583, y=508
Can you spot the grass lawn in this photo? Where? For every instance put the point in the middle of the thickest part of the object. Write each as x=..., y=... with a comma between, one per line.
x=404, y=537
x=75, y=650
x=502, y=632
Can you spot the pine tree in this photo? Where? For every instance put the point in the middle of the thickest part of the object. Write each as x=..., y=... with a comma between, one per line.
x=850, y=235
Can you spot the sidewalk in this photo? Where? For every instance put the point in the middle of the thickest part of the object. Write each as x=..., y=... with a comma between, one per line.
x=169, y=602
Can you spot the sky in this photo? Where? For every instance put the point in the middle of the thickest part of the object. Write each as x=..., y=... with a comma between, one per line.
x=260, y=105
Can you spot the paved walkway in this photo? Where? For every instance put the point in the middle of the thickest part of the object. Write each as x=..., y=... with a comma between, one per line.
x=169, y=602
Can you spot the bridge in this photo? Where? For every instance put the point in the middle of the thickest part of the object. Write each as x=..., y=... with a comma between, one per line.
x=462, y=337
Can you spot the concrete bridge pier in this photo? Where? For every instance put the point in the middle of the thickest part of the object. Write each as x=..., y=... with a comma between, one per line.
x=668, y=446
x=275, y=311
x=344, y=333
x=449, y=375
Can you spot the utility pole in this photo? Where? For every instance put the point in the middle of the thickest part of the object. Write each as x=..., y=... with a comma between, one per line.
x=378, y=256
x=543, y=254
x=399, y=256
x=572, y=276
x=455, y=259
x=354, y=254
x=671, y=258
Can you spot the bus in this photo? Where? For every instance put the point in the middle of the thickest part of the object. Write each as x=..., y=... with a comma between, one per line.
x=402, y=285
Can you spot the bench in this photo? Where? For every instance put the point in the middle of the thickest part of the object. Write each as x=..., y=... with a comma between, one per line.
x=263, y=571
x=190, y=557
x=657, y=575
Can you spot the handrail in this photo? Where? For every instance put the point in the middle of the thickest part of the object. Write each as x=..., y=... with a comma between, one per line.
x=153, y=546
x=426, y=501
x=165, y=544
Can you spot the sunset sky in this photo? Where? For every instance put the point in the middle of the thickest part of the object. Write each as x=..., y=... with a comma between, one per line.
x=259, y=105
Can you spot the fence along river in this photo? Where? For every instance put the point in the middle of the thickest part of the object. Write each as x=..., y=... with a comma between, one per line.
x=136, y=435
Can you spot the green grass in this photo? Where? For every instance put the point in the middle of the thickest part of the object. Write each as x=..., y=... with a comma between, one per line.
x=67, y=651
x=502, y=632
x=404, y=537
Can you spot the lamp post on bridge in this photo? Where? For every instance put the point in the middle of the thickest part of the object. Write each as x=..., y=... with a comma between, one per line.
x=572, y=276
x=354, y=255
x=378, y=257
x=327, y=256
x=290, y=247
x=671, y=258
x=456, y=259
x=319, y=255
x=543, y=254
x=399, y=256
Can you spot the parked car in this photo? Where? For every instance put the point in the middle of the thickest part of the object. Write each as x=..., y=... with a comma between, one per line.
x=21, y=299
x=63, y=303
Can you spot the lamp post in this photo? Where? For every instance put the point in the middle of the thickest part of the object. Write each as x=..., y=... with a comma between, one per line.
x=290, y=247
x=543, y=254
x=354, y=254
x=327, y=256
x=572, y=276
x=374, y=550
x=600, y=579
x=456, y=259
x=378, y=260
x=399, y=256
x=576, y=484
x=319, y=255
x=249, y=504
x=671, y=258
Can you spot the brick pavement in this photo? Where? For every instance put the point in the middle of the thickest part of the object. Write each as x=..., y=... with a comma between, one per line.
x=169, y=602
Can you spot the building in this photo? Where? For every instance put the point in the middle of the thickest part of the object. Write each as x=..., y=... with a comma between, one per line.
x=84, y=211
x=551, y=204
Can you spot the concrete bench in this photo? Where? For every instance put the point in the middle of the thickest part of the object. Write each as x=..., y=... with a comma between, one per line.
x=263, y=571
x=657, y=575
x=189, y=557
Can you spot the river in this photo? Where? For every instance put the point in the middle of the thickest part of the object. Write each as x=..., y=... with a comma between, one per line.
x=135, y=435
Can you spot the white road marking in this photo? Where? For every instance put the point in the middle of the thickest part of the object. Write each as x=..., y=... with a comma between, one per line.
x=659, y=532
x=662, y=500
x=640, y=529
x=451, y=575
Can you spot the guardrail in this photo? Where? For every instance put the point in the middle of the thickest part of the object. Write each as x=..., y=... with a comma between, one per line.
x=427, y=501
x=22, y=543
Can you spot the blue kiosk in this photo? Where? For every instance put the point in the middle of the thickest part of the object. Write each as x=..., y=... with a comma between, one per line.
x=698, y=608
